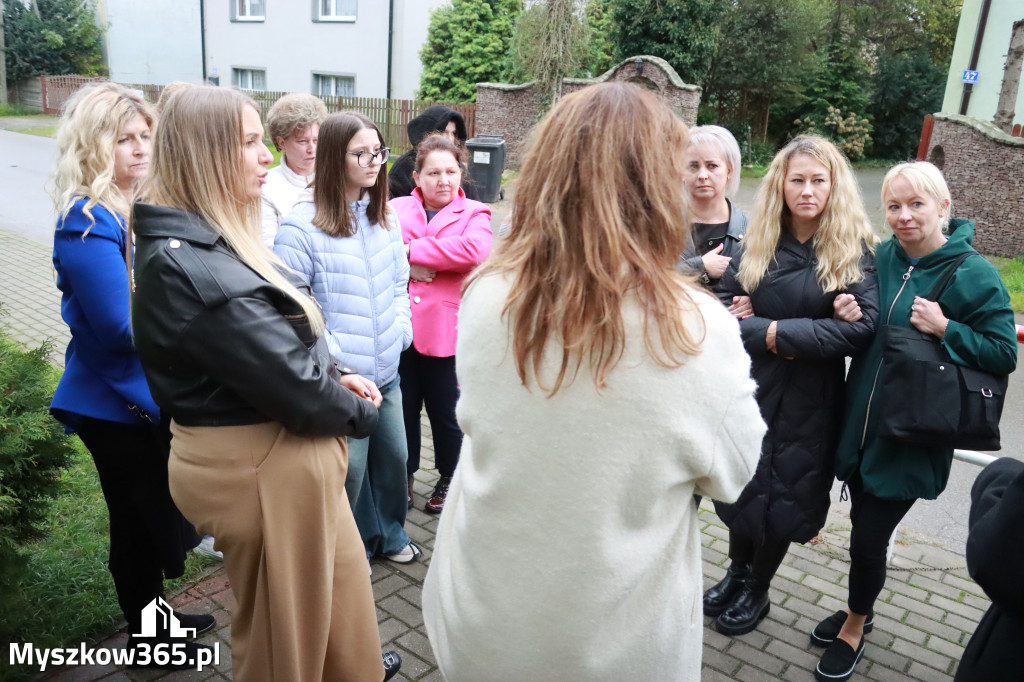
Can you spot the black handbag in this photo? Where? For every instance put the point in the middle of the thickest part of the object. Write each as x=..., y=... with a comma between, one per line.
x=927, y=399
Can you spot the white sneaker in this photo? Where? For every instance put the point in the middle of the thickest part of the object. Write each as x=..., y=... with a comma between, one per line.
x=205, y=547
x=409, y=553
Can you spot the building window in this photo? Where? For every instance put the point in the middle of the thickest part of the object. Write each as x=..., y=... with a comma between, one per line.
x=341, y=86
x=249, y=79
x=247, y=10
x=334, y=10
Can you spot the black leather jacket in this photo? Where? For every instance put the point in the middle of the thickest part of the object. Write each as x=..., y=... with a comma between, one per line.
x=220, y=345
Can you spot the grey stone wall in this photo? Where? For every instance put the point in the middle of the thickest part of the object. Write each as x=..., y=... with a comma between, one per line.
x=985, y=170
x=512, y=110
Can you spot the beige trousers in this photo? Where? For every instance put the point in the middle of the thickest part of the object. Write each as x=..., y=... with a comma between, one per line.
x=276, y=504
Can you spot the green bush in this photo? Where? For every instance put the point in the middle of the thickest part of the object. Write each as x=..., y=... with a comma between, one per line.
x=34, y=450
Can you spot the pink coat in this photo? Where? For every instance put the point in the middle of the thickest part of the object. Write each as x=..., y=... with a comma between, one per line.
x=452, y=244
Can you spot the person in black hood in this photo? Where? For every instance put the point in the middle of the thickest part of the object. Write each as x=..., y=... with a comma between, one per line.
x=438, y=118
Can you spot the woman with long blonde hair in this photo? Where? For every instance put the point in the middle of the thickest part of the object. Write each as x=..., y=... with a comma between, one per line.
x=579, y=356
x=232, y=344
x=805, y=292
x=104, y=151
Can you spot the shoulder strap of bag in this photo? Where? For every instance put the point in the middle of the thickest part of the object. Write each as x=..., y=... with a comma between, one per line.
x=940, y=286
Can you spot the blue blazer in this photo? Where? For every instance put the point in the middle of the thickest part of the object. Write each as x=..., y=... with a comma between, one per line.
x=102, y=374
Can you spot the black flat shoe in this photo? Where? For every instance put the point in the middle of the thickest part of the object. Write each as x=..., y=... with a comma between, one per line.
x=201, y=623
x=718, y=598
x=743, y=615
x=827, y=630
x=838, y=661
x=392, y=664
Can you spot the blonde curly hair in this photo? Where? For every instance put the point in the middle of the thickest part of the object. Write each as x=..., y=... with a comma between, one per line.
x=843, y=228
x=292, y=113
x=90, y=124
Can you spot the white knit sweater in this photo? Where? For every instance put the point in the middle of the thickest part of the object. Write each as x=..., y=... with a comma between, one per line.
x=284, y=188
x=569, y=547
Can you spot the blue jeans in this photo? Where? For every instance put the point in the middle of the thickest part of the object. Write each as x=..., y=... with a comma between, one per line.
x=376, y=484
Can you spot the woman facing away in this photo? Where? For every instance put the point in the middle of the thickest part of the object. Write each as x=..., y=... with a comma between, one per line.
x=104, y=154
x=347, y=246
x=446, y=235
x=974, y=321
x=807, y=268
x=711, y=170
x=294, y=126
x=580, y=352
x=229, y=341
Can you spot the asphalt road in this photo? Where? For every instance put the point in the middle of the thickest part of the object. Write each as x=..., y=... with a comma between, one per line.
x=26, y=209
x=25, y=165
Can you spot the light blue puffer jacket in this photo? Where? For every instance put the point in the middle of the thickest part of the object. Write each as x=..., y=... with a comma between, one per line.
x=362, y=284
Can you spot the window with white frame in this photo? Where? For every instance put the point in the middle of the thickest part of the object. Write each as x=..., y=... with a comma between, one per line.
x=249, y=79
x=334, y=10
x=327, y=84
x=247, y=10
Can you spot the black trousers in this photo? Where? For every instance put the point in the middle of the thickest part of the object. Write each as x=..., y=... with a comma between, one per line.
x=431, y=381
x=149, y=538
x=874, y=521
x=763, y=559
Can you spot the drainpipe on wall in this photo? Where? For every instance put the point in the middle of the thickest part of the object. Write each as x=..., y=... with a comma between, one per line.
x=202, y=36
x=979, y=37
x=391, y=37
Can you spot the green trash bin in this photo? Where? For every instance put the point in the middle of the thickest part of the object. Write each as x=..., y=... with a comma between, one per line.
x=486, y=163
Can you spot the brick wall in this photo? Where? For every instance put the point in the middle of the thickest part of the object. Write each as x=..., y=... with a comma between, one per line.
x=512, y=110
x=985, y=170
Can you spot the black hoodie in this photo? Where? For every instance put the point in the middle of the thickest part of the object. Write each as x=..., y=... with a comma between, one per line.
x=434, y=118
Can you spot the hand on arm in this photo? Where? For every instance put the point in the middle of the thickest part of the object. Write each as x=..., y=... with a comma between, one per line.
x=741, y=307
x=846, y=308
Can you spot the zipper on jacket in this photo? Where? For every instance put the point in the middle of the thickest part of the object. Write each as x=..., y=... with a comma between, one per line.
x=874, y=382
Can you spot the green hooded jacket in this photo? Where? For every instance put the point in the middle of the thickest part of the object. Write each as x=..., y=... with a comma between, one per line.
x=981, y=333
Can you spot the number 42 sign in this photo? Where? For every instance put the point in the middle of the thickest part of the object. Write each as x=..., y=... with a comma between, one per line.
x=969, y=76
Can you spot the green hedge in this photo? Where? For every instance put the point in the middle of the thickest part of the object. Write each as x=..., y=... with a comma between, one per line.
x=34, y=450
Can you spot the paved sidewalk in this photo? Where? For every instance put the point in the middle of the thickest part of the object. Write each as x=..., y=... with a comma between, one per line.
x=926, y=613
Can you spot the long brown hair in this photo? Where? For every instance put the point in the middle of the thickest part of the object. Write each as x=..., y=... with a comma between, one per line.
x=333, y=213
x=599, y=218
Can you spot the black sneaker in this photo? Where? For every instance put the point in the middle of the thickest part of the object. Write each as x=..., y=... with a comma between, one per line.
x=392, y=664
x=202, y=623
x=827, y=630
x=838, y=661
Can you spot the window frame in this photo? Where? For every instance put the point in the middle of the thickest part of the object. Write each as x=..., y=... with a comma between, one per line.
x=317, y=75
x=320, y=17
x=248, y=18
x=236, y=72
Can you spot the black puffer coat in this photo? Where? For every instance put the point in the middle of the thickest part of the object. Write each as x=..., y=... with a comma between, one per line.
x=433, y=120
x=799, y=390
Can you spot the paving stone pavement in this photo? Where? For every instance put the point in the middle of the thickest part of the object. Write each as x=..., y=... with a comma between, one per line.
x=926, y=613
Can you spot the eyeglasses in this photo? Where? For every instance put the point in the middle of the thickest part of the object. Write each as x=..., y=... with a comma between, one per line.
x=364, y=159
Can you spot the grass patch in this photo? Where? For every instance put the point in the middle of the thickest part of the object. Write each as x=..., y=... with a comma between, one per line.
x=50, y=131
x=17, y=110
x=754, y=171
x=1012, y=271
x=69, y=594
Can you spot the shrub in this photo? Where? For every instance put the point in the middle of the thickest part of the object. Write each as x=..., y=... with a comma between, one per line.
x=33, y=451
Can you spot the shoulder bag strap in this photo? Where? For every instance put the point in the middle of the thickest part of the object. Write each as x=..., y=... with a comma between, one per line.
x=943, y=282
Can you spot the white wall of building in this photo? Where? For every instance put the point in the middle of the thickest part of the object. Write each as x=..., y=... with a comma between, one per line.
x=991, y=59
x=152, y=42
x=412, y=17
x=290, y=46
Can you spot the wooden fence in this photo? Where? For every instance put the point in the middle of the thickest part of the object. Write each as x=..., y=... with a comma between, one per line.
x=392, y=116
